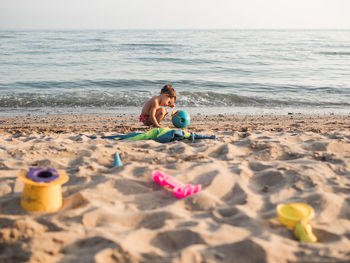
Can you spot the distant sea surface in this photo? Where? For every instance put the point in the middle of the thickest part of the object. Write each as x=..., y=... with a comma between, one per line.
x=213, y=71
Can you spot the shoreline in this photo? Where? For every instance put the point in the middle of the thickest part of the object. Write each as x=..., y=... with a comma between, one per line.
x=193, y=111
x=125, y=123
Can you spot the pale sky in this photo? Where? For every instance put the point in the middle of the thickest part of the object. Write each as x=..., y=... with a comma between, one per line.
x=173, y=14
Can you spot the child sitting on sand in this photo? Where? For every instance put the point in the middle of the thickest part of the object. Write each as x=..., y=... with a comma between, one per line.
x=152, y=113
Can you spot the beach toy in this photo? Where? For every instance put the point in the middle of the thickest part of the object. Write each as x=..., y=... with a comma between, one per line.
x=303, y=232
x=297, y=216
x=181, y=119
x=117, y=160
x=180, y=190
x=291, y=214
x=42, y=189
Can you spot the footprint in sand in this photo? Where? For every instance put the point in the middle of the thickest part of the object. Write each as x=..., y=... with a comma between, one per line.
x=237, y=196
x=243, y=251
x=175, y=240
x=258, y=166
x=87, y=249
x=231, y=216
x=156, y=220
x=268, y=181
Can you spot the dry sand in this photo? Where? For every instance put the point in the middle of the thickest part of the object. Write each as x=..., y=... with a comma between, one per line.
x=117, y=214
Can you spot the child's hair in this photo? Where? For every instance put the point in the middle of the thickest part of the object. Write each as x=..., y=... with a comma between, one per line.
x=168, y=89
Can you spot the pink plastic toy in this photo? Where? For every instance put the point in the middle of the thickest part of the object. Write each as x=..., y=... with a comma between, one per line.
x=180, y=190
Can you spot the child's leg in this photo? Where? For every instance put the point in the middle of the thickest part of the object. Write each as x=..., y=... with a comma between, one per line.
x=160, y=114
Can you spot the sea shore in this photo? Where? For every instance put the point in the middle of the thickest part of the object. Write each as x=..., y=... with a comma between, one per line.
x=118, y=214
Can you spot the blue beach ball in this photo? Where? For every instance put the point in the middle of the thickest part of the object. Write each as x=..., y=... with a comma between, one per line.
x=181, y=119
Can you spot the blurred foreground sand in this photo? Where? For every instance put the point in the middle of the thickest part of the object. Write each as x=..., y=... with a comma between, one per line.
x=117, y=214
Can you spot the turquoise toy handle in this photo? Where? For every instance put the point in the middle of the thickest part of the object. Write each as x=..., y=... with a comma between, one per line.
x=117, y=160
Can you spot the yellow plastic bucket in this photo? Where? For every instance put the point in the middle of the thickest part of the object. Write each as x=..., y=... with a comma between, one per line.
x=42, y=196
x=291, y=214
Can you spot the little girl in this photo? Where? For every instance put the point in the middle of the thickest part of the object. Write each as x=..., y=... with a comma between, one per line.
x=152, y=113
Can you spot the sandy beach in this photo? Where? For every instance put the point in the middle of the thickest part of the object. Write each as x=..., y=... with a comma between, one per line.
x=118, y=214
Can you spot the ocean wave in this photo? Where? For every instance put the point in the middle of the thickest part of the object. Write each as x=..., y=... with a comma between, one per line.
x=98, y=40
x=5, y=36
x=138, y=98
x=156, y=45
x=69, y=99
x=83, y=84
x=335, y=53
x=178, y=60
x=150, y=47
x=142, y=84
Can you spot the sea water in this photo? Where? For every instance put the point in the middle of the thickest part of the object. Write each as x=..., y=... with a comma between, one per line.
x=213, y=71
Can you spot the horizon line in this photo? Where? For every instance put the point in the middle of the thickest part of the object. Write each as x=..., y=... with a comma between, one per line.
x=164, y=29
